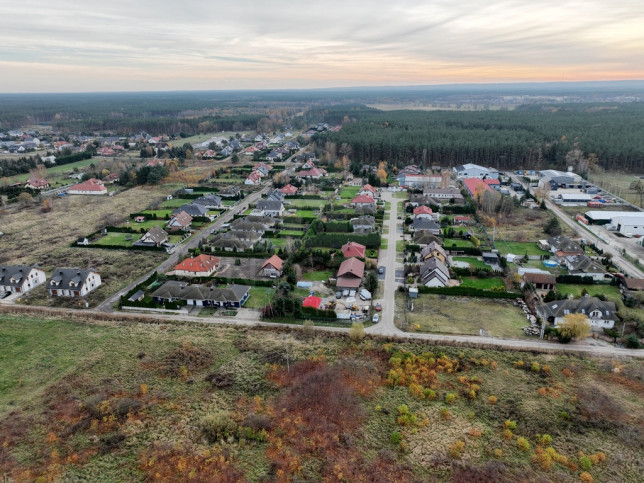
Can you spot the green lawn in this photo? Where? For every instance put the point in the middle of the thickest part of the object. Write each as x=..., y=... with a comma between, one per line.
x=401, y=195
x=456, y=242
x=463, y=315
x=293, y=233
x=146, y=225
x=229, y=202
x=383, y=243
x=483, y=283
x=474, y=262
x=57, y=171
x=307, y=203
x=317, y=276
x=518, y=248
x=610, y=291
x=277, y=242
x=307, y=213
x=174, y=203
x=349, y=192
x=400, y=246
x=117, y=239
x=259, y=297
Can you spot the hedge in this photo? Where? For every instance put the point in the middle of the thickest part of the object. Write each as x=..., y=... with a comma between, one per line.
x=470, y=292
x=224, y=280
x=467, y=250
x=576, y=279
x=120, y=247
x=336, y=240
x=220, y=253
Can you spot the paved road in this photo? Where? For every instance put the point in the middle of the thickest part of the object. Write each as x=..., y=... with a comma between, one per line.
x=386, y=326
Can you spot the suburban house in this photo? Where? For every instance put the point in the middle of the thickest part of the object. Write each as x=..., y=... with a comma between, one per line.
x=289, y=190
x=434, y=273
x=254, y=178
x=272, y=267
x=601, y=315
x=363, y=201
x=353, y=249
x=424, y=212
x=562, y=246
x=368, y=190
x=267, y=222
x=462, y=220
x=250, y=151
x=20, y=278
x=540, y=280
x=155, y=236
x=73, y=282
x=416, y=199
x=308, y=164
x=350, y=274
x=363, y=224
x=199, y=266
x=112, y=178
x=179, y=222
x=433, y=249
x=313, y=173
x=634, y=284
x=270, y=207
x=425, y=238
x=202, y=295
x=241, y=224
x=246, y=235
x=37, y=184
x=230, y=192
x=228, y=242
x=470, y=170
x=92, y=186
x=423, y=224
x=192, y=209
x=209, y=201
x=263, y=168
x=418, y=180
x=275, y=195
x=583, y=266
x=273, y=156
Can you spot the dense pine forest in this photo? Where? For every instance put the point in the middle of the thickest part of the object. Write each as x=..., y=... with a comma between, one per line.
x=610, y=135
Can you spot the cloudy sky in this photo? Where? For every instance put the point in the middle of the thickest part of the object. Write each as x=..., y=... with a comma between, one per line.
x=116, y=45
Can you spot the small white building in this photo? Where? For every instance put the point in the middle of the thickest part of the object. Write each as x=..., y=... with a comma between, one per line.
x=20, y=278
x=73, y=282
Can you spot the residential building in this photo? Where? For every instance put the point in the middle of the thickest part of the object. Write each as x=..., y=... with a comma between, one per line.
x=270, y=207
x=37, y=184
x=180, y=222
x=229, y=242
x=20, y=278
x=275, y=195
x=232, y=296
x=423, y=224
x=313, y=173
x=368, y=190
x=73, y=282
x=254, y=178
x=363, y=201
x=363, y=224
x=353, y=249
x=444, y=193
x=193, y=209
x=272, y=267
x=562, y=246
x=539, y=280
x=474, y=186
x=601, y=315
x=350, y=274
x=434, y=273
x=423, y=212
x=230, y=192
x=435, y=250
x=92, y=186
x=155, y=236
x=209, y=201
x=289, y=190
x=584, y=266
x=199, y=266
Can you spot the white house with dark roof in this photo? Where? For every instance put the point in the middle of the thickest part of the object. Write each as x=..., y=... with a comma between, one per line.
x=73, y=282
x=20, y=278
x=601, y=315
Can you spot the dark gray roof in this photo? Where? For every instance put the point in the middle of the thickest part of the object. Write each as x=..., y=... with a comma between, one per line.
x=425, y=224
x=208, y=201
x=422, y=238
x=565, y=244
x=230, y=191
x=584, y=305
x=584, y=264
x=241, y=224
x=13, y=275
x=266, y=221
x=363, y=220
x=276, y=195
x=423, y=199
x=228, y=240
x=192, y=209
x=182, y=291
x=270, y=205
x=431, y=247
x=431, y=265
x=68, y=278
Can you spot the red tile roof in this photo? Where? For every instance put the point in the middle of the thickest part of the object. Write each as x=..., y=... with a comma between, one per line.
x=473, y=183
x=38, y=183
x=201, y=263
x=275, y=262
x=363, y=199
x=289, y=189
x=369, y=188
x=92, y=184
x=353, y=249
x=311, y=172
x=352, y=267
x=491, y=181
x=312, y=301
x=423, y=210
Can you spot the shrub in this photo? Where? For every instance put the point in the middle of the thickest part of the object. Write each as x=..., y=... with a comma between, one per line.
x=586, y=477
x=544, y=439
x=507, y=434
x=535, y=367
x=429, y=394
x=218, y=426
x=395, y=437
x=406, y=417
x=450, y=398
x=446, y=414
x=523, y=444
x=357, y=331
x=492, y=399
x=632, y=342
x=498, y=453
x=510, y=424
x=585, y=463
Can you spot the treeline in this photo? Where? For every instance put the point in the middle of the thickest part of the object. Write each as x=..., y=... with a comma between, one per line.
x=24, y=164
x=530, y=137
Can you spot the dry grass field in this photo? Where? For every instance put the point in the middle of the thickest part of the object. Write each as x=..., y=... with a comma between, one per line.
x=33, y=237
x=525, y=225
x=617, y=183
x=140, y=402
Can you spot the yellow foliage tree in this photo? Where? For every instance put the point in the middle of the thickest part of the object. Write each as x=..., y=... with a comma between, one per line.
x=575, y=326
x=381, y=173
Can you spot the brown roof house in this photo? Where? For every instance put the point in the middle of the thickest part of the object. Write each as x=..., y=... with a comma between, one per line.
x=272, y=267
x=180, y=222
x=539, y=280
x=434, y=249
x=350, y=274
x=154, y=237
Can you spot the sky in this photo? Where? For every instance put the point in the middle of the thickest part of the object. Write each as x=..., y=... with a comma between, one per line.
x=116, y=45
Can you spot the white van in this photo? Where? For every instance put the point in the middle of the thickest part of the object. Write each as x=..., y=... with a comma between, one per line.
x=365, y=294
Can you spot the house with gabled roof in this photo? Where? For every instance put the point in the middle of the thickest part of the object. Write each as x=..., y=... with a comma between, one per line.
x=192, y=209
x=20, y=278
x=275, y=195
x=423, y=224
x=363, y=224
x=364, y=201
x=289, y=190
x=92, y=186
x=540, y=280
x=199, y=266
x=208, y=201
x=350, y=274
x=272, y=267
x=155, y=236
x=270, y=207
x=601, y=315
x=229, y=242
x=423, y=212
x=179, y=222
x=353, y=249
x=562, y=246
x=263, y=168
x=434, y=249
x=434, y=273
x=254, y=178
x=37, y=184
x=313, y=173
x=73, y=282
x=368, y=190
x=425, y=238
x=584, y=266
x=232, y=295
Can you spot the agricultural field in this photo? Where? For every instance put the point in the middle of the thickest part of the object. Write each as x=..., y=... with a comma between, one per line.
x=454, y=315
x=140, y=402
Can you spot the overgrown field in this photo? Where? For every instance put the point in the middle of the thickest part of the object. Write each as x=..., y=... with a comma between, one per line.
x=89, y=402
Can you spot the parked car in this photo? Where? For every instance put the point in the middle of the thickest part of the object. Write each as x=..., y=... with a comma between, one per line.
x=4, y=295
x=378, y=307
x=345, y=293
x=338, y=294
x=365, y=294
x=352, y=293
x=381, y=270
x=375, y=318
